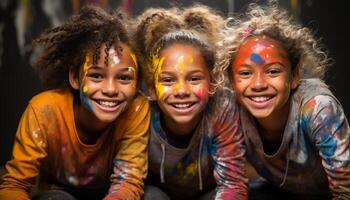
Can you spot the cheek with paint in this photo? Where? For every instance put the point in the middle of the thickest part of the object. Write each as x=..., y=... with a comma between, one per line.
x=84, y=87
x=201, y=93
x=133, y=57
x=132, y=70
x=162, y=90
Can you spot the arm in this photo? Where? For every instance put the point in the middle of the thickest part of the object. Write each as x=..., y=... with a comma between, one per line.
x=130, y=163
x=229, y=158
x=28, y=151
x=331, y=132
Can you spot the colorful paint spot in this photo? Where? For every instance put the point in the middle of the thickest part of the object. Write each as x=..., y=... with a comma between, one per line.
x=257, y=59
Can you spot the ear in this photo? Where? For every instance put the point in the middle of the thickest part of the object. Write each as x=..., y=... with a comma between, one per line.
x=74, y=80
x=152, y=93
x=295, y=78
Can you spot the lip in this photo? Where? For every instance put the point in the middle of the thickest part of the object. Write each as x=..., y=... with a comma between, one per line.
x=260, y=105
x=107, y=108
x=184, y=110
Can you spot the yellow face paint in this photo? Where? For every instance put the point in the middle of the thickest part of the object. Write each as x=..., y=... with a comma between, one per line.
x=84, y=87
x=155, y=69
x=86, y=66
x=133, y=57
x=181, y=65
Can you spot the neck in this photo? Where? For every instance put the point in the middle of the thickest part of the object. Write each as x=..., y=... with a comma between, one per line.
x=179, y=135
x=88, y=127
x=271, y=129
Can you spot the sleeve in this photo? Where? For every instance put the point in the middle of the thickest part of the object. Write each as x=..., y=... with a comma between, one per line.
x=228, y=153
x=28, y=151
x=330, y=130
x=131, y=161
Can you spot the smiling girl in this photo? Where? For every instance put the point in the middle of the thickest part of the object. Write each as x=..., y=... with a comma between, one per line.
x=196, y=147
x=296, y=133
x=70, y=137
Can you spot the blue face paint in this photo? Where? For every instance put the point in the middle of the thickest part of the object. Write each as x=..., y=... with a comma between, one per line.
x=84, y=99
x=257, y=59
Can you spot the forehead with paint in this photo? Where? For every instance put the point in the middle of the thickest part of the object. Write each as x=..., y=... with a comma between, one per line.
x=261, y=50
x=119, y=56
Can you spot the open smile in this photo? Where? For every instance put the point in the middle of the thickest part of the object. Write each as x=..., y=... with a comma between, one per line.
x=108, y=106
x=183, y=107
x=260, y=101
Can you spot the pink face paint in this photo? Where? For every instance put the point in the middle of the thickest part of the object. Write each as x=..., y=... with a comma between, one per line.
x=201, y=93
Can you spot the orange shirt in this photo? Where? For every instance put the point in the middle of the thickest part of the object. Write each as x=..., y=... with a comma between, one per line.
x=47, y=144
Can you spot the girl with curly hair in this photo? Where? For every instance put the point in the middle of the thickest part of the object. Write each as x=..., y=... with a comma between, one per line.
x=196, y=147
x=89, y=124
x=296, y=134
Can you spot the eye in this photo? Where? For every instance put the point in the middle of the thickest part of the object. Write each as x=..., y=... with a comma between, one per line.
x=244, y=73
x=195, y=79
x=95, y=76
x=273, y=72
x=125, y=79
x=166, y=80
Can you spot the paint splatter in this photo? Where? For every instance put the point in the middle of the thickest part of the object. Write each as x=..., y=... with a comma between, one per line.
x=84, y=87
x=36, y=133
x=257, y=59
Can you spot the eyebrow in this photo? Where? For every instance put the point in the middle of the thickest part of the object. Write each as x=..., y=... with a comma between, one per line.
x=191, y=72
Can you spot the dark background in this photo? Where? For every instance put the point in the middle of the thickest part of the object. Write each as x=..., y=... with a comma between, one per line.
x=18, y=83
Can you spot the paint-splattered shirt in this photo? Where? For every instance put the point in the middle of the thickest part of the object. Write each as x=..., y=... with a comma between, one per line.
x=314, y=156
x=47, y=145
x=213, y=158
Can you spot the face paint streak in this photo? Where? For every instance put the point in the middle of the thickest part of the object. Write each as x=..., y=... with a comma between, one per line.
x=200, y=93
x=190, y=59
x=133, y=57
x=156, y=67
x=116, y=60
x=131, y=69
x=84, y=99
x=161, y=90
x=257, y=59
x=181, y=65
x=84, y=88
x=179, y=85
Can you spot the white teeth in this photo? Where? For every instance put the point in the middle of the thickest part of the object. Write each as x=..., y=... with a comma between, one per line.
x=260, y=99
x=108, y=103
x=183, y=105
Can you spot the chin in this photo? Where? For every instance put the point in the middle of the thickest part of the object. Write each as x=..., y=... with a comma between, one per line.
x=260, y=114
x=183, y=120
x=108, y=117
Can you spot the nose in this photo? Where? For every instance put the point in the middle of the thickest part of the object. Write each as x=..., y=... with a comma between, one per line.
x=181, y=89
x=110, y=87
x=259, y=82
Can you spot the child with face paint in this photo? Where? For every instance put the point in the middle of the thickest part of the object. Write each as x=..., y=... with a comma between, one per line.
x=90, y=128
x=196, y=147
x=296, y=134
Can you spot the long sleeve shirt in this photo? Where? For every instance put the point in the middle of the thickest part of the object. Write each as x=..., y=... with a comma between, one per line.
x=213, y=159
x=47, y=146
x=314, y=156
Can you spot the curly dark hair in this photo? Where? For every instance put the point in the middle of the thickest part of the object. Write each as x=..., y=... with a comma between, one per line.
x=307, y=55
x=64, y=48
x=156, y=29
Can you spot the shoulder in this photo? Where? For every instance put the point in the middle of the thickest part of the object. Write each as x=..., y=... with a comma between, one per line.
x=52, y=98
